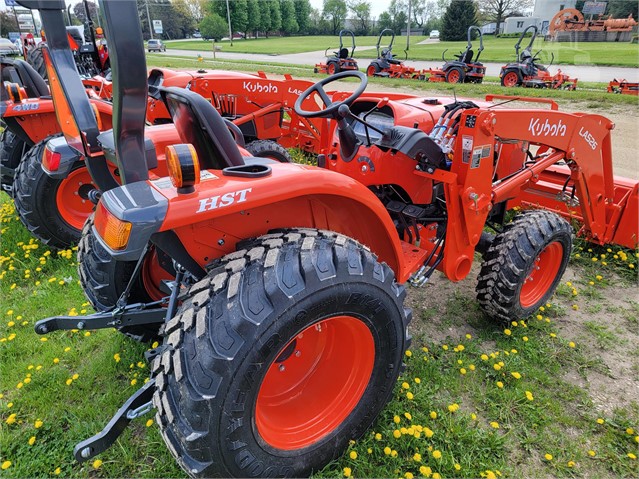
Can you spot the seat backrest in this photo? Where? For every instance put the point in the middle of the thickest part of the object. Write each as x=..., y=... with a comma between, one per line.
x=343, y=53
x=468, y=56
x=34, y=84
x=199, y=123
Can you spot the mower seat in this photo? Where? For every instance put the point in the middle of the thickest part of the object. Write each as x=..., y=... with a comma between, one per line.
x=199, y=123
x=343, y=54
x=467, y=57
x=19, y=71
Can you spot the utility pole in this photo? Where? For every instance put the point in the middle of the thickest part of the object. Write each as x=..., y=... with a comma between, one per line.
x=228, y=17
x=148, y=18
x=408, y=24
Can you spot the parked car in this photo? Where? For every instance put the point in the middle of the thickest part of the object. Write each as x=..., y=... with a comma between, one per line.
x=8, y=48
x=434, y=34
x=197, y=35
x=155, y=46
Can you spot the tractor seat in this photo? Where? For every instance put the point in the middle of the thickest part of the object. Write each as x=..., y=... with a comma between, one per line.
x=343, y=53
x=199, y=123
x=467, y=57
x=19, y=71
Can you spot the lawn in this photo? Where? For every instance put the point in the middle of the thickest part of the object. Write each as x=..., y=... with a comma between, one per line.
x=476, y=399
x=496, y=49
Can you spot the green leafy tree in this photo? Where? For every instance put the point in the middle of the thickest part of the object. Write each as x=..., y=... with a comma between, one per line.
x=79, y=11
x=623, y=8
x=276, y=15
x=8, y=23
x=289, y=21
x=361, y=9
x=238, y=11
x=385, y=21
x=335, y=13
x=460, y=15
x=302, y=14
x=265, y=17
x=213, y=26
x=253, y=16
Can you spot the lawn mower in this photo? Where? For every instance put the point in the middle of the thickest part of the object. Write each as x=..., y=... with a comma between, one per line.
x=341, y=60
x=528, y=73
x=623, y=87
x=285, y=328
x=387, y=65
x=463, y=70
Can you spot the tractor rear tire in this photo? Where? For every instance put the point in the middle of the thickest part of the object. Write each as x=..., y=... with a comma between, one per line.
x=12, y=148
x=524, y=265
x=455, y=75
x=269, y=149
x=332, y=68
x=53, y=210
x=103, y=280
x=511, y=78
x=35, y=58
x=286, y=351
x=372, y=69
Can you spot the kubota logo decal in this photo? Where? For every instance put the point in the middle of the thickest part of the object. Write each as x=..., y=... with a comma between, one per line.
x=253, y=87
x=585, y=134
x=227, y=199
x=537, y=128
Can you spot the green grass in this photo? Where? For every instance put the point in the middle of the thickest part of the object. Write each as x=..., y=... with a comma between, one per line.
x=495, y=49
x=593, y=93
x=451, y=399
x=286, y=45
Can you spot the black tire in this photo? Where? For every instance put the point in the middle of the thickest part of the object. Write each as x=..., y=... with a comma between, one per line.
x=11, y=150
x=333, y=65
x=372, y=69
x=34, y=193
x=36, y=59
x=269, y=149
x=517, y=73
x=510, y=263
x=245, y=317
x=103, y=280
x=456, y=74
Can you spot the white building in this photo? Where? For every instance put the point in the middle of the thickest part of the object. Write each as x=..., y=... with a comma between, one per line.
x=519, y=24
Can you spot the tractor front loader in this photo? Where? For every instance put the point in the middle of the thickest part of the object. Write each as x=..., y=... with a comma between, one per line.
x=285, y=327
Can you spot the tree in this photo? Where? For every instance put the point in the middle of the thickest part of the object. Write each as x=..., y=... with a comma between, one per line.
x=385, y=21
x=498, y=10
x=265, y=17
x=276, y=15
x=460, y=15
x=8, y=23
x=623, y=8
x=197, y=8
x=253, y=10
x=289, y=20
x=335, y=13
x=302, y=14
x=238, y=11
x=80, y=13
x=213, y=26
x=362, y=11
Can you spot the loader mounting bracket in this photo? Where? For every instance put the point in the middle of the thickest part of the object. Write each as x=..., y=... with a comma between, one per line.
x=138, y=404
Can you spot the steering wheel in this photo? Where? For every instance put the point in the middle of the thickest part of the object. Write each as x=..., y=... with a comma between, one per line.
x=331, y=107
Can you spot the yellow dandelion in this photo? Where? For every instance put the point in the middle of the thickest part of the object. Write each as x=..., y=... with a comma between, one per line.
x=417, y=457
x=57, y=471
x=393, y=453
x=453, y=407
x=369, y=451
x=11, y=419
x=409, y=475
x=632, y=456
x=630, y=431
x=408, y=416
x=571, y=464
x=457, y=467
x=38, y=424
x=496, y=366
x=571, y=344
x=67, y=349
x=473, y=416
x=437, y=454
x=516, y=375
x=468, y=336
x=134, y=382
x=548, y=457
x=408, y=353
x=425, y=471
x=600, y=421
x=5, y=465
x=149, y=423
x=75, y=376
x=56, y=360
x=507, y=332
x=462, y=371
x=484, y=357
x=500, y=385
x=428, y=432
x=31, y=440
x=396, y=419
x=494, y=424
x=69, y=381
x=437, y=475
x=529, y=396
x=353, y=455
x=409, y=395
x=397, y=434
x=433, y=415
x=387, y=450
x=405, y=385
x=592, y=453
x=19, y=385
x=97, y=463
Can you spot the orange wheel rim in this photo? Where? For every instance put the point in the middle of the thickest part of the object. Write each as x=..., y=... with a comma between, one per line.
x=153, y=274
x=331, y=68
x=315, y=383
x=72, y=198
x=510, y=79
x=370, y=71
x=542, y=275
x=453, y=76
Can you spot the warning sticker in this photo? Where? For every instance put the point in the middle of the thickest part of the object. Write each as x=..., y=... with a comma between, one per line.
x=476, y=157
x=467, y=146
x=207, y=175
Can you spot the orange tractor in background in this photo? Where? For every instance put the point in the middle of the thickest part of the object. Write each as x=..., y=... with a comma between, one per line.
x=342, y=59
x=465, y=69
x=387, y=65
x=286, y=317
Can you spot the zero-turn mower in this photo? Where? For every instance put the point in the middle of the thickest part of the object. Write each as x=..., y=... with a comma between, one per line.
x=528, y=73
x=465, y=69
x=387, y=65
x=342, y=59
x=285, y=326
x=623, y=87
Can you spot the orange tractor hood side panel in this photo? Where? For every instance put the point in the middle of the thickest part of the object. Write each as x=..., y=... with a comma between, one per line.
x=226, y=209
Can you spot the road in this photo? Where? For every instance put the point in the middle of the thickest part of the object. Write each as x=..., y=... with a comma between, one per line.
x=582, y=72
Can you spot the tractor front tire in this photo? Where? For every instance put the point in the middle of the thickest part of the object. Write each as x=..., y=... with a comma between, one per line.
x=287, y=350
x=524, y=265
x=12, y=148
x=103, y=280
x=455, y=75
x=511, y=78
x=52, y=209
x=269, y=149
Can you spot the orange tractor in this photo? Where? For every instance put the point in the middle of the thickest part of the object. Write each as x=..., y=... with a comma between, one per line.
x=342, y=59
x=527, y=72
x=285, y=327
x=387, y=65
x=465, y=69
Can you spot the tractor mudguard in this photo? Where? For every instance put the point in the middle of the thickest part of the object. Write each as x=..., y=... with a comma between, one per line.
x=225, y=210
x=68, y=157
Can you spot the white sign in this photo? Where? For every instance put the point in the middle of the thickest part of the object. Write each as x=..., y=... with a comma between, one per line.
x=157, y=26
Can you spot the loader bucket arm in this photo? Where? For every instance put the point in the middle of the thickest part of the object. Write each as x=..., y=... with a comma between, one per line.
x=75, y=114
x=130, y=86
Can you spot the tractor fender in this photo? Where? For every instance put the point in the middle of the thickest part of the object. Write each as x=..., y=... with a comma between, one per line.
x=224, y=210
